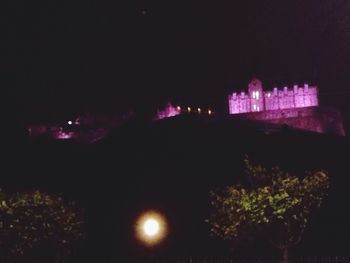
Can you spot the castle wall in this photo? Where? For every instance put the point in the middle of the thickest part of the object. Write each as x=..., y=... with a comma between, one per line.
x=239, y=103
x=298, y=97
x=317, y=119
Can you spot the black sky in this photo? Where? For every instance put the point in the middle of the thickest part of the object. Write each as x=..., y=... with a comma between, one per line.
x=76, y=56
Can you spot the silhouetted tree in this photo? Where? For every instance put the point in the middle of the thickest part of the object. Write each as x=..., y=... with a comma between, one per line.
x=32, y=223
x=273, y=202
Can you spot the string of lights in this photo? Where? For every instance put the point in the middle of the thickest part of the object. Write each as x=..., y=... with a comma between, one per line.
x=198, y=110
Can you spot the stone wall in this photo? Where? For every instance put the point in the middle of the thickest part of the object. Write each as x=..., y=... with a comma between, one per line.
x=317, y=119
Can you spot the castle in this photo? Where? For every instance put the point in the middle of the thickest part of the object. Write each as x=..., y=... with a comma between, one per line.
x=258, y=100
x=297, y=108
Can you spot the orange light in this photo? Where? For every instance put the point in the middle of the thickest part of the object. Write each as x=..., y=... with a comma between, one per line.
x=151, y=228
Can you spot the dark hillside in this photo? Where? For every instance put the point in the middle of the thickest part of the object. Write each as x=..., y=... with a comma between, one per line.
x=171, y=165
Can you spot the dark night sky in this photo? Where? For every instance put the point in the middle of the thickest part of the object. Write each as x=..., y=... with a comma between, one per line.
x=65, y=57
x=76, y=56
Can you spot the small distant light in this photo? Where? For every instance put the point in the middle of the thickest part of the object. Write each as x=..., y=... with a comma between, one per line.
x=178, y=108
x=70, y=122
x=199, y=110
x=210, y=112
x=188, y=109
x=269, y=94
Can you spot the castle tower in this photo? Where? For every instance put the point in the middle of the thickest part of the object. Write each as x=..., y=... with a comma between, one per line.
x=256, y=95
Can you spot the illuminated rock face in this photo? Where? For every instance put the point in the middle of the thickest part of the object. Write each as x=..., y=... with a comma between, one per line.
x=277, y=99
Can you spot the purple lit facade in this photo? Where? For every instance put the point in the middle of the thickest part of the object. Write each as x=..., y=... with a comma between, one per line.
x=297, y=108
x=169, y=111
x=257, y=100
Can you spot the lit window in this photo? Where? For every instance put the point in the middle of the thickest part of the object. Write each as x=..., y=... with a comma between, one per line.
x=257, y=95
x=253, y=94
x=254, y=107
x=258, y=108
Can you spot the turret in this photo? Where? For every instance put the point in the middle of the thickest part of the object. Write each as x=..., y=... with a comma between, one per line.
x=256, y=95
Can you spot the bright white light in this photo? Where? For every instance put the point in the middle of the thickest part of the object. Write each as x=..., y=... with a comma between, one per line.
x=70, y=122
x=188, y=109
x=151, y=227
x=209, y=112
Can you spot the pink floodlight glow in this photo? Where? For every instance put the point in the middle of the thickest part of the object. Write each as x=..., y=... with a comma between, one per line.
x=169, y=111
x=277, y=99
x=63, y=135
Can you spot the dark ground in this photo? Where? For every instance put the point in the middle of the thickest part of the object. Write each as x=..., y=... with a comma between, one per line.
x=170, y=166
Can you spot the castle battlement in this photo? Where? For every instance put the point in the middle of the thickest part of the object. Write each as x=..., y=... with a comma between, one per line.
x=276, y=99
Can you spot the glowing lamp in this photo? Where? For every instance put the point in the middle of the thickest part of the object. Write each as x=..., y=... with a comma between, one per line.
x=150, y=228
x=188, y=109
x=70, y=122
x=178, y=108
x=199, y=110
x=209, y=112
